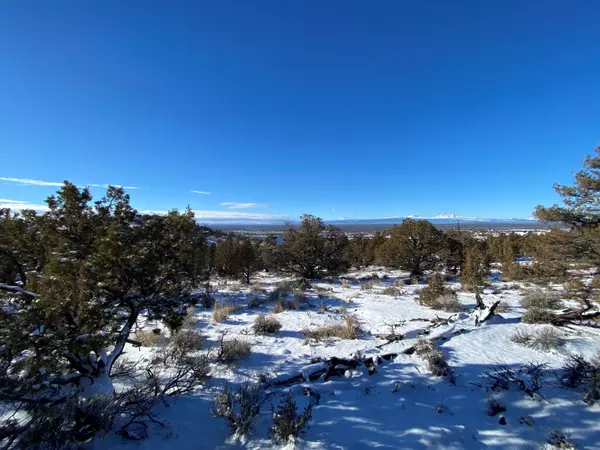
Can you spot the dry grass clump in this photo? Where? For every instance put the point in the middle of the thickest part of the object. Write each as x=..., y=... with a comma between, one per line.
x=257, y=288
x=220, y=313
x=367, y=286
x=266, y=325
x=434, y=358
x=232, y=350
x=187, y=341
x=542, y=300
x=346, y=284
x=574, y=284
x=392, y=291
x=349, y=329
x=151, y=338
x=235, y=287
x=545, y=339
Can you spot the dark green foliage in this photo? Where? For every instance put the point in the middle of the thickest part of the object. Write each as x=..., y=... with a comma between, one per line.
x=287, y=422
x=88, y=273
x=581, y=201
x=474, y=272
x=414, y=245
x=362, y=250
x=311, y=250
x=437, y=296
x=236, y=257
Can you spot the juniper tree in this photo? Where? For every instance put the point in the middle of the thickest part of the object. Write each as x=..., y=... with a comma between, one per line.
x=310, y=250
x=65, y=322
x=236, y=257
x=414, y=245
x=580, y=212
x=581, y=201
x=475, y=271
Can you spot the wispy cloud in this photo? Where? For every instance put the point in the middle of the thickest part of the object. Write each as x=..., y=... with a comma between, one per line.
x=202, y=192
x=236, y=205
x=31, y=182
x=115, y=185
x=18, y=205
x=224, y=215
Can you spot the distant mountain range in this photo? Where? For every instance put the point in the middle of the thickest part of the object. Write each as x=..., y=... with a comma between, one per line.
x=441, y=220
x=437, y=220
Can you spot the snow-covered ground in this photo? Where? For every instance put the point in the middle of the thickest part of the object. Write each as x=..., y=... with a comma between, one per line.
x=400, y=406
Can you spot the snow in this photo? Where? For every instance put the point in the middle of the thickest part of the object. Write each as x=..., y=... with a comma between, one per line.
x=401, y=406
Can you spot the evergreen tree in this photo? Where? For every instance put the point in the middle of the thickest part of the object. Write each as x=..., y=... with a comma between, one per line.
x=475, y=271
x=581, y=201
x=236, y=257
x=101, y=267
x=414, y=245
x=311, y=250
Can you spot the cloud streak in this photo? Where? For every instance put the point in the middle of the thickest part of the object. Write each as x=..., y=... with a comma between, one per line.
x=30, y=182
x=236, y=205
x=202, y=192
x=18, y=205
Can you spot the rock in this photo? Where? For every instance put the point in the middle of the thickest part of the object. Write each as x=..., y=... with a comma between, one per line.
x=502, y=420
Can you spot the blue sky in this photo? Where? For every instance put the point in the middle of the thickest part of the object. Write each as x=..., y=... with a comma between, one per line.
x=276, y=108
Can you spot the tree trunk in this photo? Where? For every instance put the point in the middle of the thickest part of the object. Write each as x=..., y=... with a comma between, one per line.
x=478, y=300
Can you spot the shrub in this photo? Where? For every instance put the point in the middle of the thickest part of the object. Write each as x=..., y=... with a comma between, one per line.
x=346, y=284
x=232, y=350
x=595, y=282
x=257, y=287
x=284, y=305
x=538, y=315
x=558, y=439
x=256, y=302
x=302, y=284
x=434, y=359
x=392, y=291
x=367, y=286
x=287, y=422
x=235, y=287
x=350, y=329
x=545, y=339
x=577, y=371
x=190, y=320
x=187, y=341
x=284, y=287
x=221, y=313
x=540, y=299
x=447, y=302
x=240, y=408
x=435, y=295
x=151, y=338
x=574, y=284
x=494, y=407
x=207, y=300
x=266, y=325
x=521, y=337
